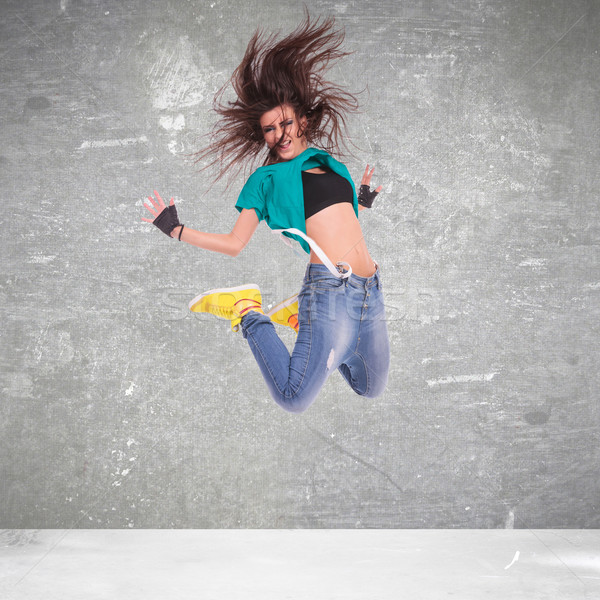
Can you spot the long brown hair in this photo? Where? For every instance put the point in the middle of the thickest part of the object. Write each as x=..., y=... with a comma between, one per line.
x=272, y=73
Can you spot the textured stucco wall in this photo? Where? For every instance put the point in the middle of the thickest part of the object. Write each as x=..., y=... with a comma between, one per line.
x=120, y=409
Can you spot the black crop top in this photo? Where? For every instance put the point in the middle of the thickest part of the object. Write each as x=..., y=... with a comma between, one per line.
x=324, y=189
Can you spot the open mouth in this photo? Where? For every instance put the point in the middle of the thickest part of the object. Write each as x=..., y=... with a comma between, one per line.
x=285, y=145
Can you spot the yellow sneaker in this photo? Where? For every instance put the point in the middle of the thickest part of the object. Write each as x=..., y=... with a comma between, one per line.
x=286, y=313
x=229, y=303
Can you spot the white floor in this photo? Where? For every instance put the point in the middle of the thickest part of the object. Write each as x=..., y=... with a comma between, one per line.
x=323, y=565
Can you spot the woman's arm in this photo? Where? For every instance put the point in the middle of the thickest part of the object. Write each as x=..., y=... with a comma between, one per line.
x=227, y=243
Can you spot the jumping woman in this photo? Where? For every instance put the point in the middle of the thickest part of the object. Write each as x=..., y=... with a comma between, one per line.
x=284, y=104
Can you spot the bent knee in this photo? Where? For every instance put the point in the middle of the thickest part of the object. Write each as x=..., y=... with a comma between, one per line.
x=296, y=404
x=372, y=388
x=377, y=382
x=373, y=392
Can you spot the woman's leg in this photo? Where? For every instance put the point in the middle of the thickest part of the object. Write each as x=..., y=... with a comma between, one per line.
x=366, y=371
x=366, y=366
x=295, y=381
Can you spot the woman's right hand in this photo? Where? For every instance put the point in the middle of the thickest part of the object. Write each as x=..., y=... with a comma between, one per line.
x=164, y=217
x=157, y=207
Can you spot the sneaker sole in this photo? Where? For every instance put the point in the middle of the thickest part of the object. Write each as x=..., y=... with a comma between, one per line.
x=283, y=305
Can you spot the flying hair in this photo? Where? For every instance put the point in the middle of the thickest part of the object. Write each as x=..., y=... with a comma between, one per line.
x=272, y=73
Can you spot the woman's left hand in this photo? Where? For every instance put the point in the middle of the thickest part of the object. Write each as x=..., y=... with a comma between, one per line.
x=365, y=195
x=366, y=180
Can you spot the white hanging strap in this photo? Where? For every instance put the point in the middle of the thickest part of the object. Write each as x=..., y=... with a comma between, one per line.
x=319, y=252
x=288, y=242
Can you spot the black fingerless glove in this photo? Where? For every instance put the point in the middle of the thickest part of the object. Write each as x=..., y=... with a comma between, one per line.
x=366, y=196
x=168, y=220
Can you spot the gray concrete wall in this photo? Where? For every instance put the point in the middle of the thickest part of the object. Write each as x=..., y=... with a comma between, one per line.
x=121, y=409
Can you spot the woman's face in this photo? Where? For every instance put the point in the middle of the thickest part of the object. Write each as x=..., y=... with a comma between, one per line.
x=281, y=123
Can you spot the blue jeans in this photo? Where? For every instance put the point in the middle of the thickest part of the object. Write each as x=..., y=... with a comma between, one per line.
x=342, y=326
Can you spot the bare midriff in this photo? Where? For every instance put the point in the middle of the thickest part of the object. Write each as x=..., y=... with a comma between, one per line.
x=337, y=231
